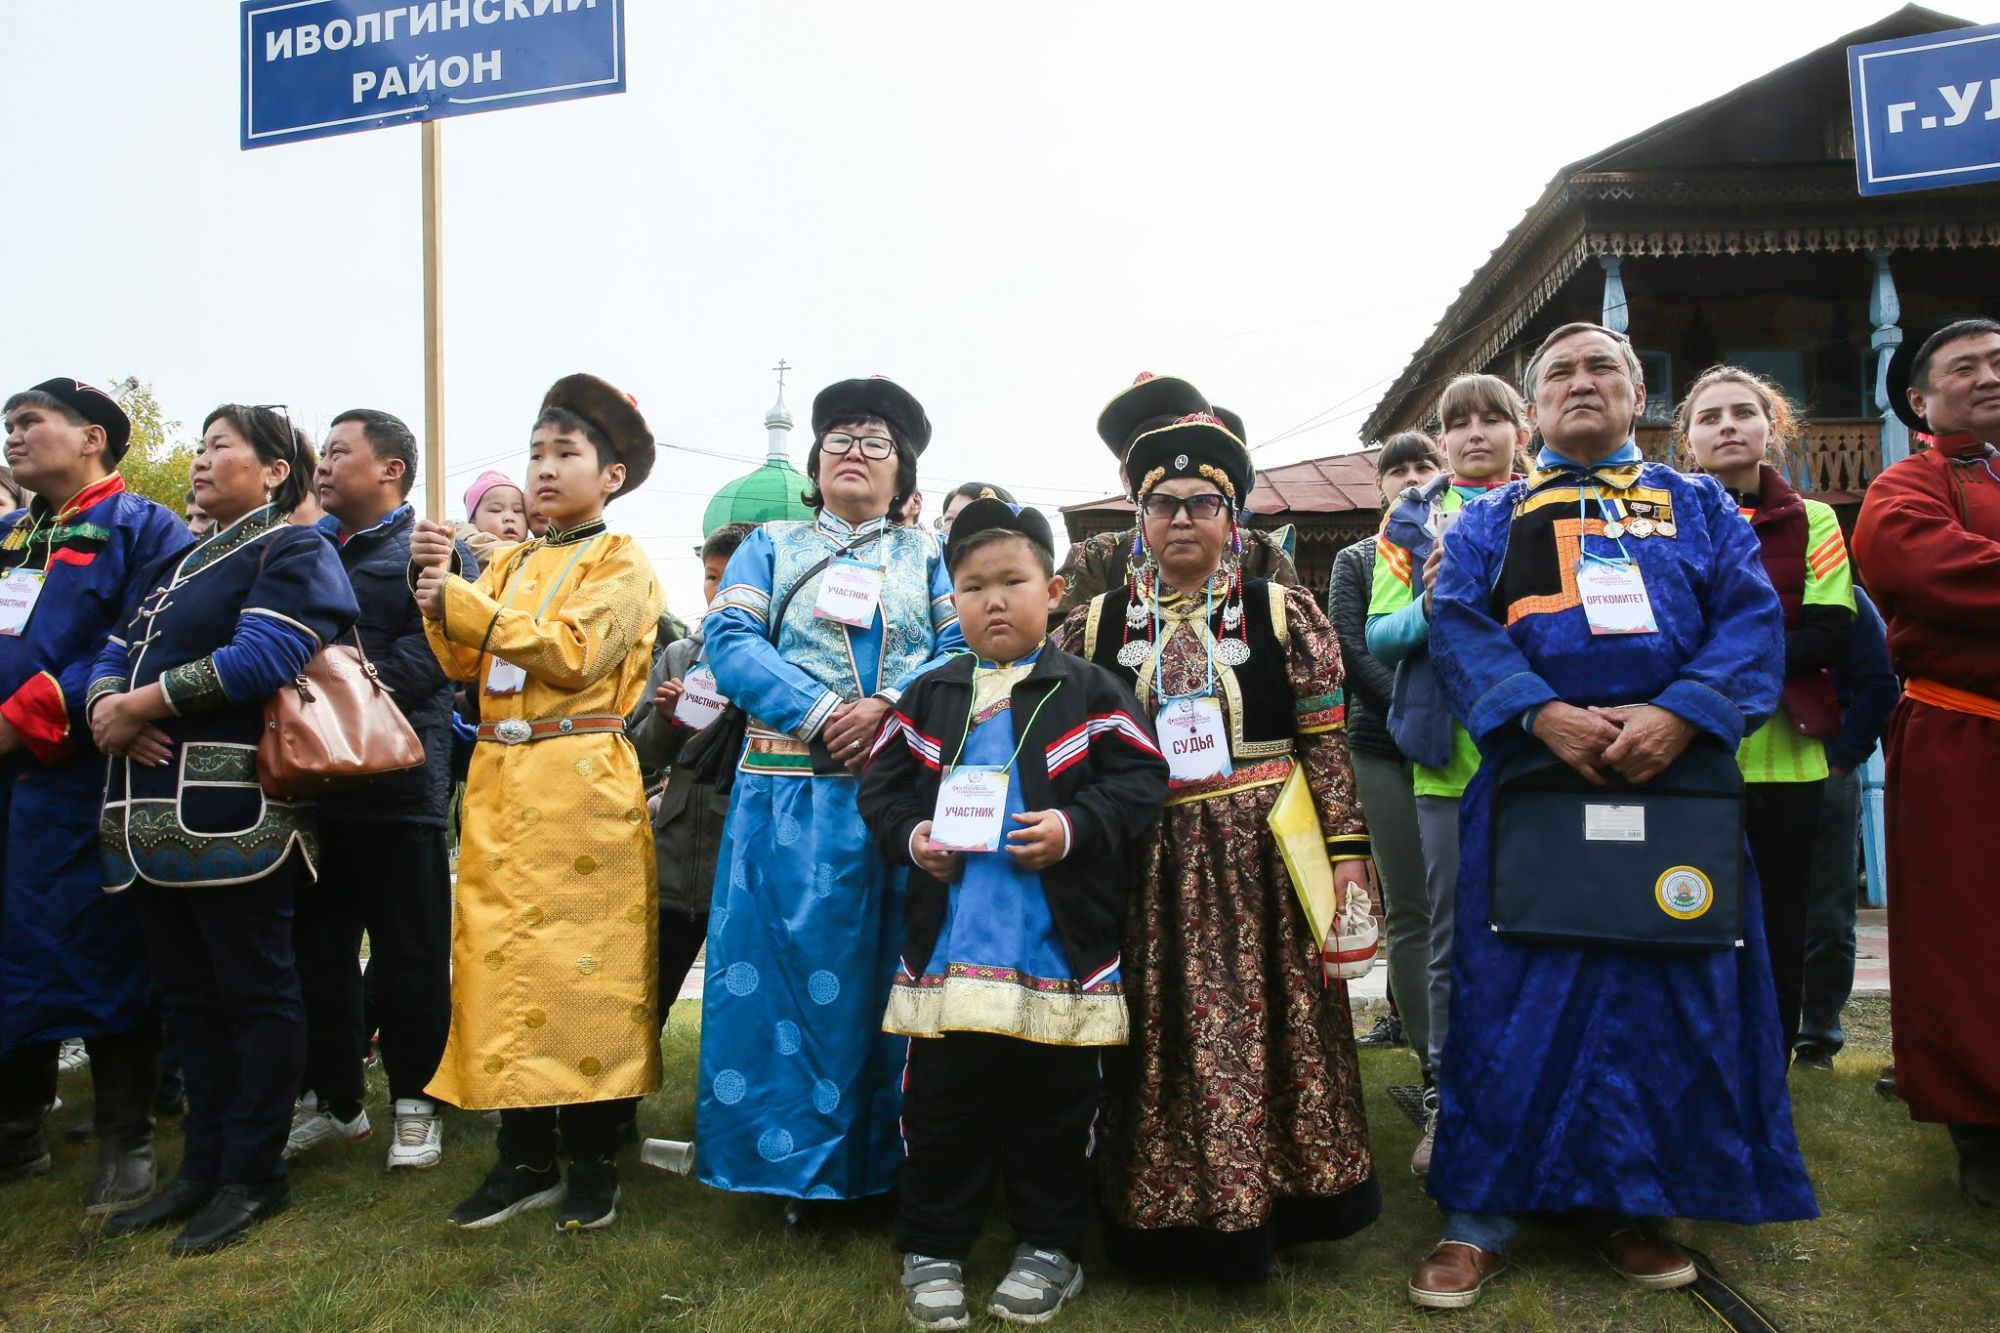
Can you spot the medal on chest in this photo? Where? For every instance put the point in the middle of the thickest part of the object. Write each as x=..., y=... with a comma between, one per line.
x=1610, y=588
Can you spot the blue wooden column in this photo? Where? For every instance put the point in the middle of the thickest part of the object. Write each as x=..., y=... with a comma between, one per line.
x=1616, y=316
x=1885, y=308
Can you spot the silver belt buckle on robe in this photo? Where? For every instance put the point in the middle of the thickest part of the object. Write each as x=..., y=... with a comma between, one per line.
x=512, y=731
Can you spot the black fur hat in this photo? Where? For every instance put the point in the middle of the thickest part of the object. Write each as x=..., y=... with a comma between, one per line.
x=615, y=414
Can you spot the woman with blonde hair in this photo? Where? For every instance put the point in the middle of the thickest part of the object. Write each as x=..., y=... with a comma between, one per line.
x=1736, y=426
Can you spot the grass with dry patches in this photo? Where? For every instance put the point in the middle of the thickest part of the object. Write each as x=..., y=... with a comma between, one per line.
x=362, y=1249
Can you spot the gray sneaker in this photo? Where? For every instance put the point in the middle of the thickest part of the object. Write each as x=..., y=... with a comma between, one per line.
x=934, y=1292
x=1035, y=1286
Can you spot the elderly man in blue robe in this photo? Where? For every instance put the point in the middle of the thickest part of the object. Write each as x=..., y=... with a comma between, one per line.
x=71, y=960
x=1616, y=613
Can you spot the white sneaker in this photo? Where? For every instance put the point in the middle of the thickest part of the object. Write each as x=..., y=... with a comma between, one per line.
x=311, y=1130
x=71, y=1057
x=418, y=1140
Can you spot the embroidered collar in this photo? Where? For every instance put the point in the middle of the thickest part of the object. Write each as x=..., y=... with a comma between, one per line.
x=235, y=537
x=1177, y=605
x=96, y=493
x=1618, y=471
x=1549, y=460
x=582, y=532
x=838, y=528
x=47, y=527
x=1960, y=444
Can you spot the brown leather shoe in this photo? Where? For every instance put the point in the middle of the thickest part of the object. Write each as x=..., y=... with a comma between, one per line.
x=1452, y=1275
x=1648, y=1260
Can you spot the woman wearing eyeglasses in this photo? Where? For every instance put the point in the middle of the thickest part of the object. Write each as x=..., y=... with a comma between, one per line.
x=1234, y=1123
x=798, y=1088
x=177, y=701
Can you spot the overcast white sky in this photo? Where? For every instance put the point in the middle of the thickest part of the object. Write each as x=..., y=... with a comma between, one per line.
x=1011, y=209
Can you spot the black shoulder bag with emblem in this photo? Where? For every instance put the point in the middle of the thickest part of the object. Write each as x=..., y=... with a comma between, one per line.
x=712, y=754
x=1652, y=867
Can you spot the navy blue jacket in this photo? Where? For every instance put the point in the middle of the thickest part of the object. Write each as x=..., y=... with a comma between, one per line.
x=219, y=627
x=377, y=562
x=1868, y=688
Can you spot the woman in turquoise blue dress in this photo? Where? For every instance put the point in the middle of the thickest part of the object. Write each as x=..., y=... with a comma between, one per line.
x=798, y=1093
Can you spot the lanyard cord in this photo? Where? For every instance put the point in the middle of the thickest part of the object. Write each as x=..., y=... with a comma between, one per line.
x=1160, y=648
x=1583, y=528
x=514, y=579
x=56, y=522
x=1021, y=741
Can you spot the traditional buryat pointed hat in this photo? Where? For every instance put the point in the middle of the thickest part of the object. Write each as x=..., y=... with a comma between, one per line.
x=1149, y=401
x=989, y=512
x=1196, y=445
x=1904, y=359
x=96, y=407
x=879, y=397
x=615, y=413
x=1231, y=420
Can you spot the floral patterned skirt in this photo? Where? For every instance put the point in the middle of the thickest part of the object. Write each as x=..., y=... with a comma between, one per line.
x=1237, y=1105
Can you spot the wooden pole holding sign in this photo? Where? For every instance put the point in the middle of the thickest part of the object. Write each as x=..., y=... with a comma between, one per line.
x=297, y=84
x=433, y=169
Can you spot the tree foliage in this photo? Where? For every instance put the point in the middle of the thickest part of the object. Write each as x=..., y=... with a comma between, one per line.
x=156, y=463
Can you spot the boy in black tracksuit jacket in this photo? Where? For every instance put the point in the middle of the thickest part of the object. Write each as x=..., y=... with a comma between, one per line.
x=1009, y=981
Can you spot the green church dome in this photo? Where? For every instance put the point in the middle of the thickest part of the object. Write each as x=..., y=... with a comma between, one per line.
x=769, y=493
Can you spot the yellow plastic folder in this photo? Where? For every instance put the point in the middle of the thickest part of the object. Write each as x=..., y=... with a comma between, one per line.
x=1295, y=824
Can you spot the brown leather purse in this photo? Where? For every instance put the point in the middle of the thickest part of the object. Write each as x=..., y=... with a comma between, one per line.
x=332, y=725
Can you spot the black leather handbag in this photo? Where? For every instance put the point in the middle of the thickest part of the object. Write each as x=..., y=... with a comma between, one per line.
x=1658, y=866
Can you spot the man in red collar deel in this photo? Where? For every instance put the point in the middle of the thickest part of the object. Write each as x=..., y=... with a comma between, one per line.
x=1928, y=547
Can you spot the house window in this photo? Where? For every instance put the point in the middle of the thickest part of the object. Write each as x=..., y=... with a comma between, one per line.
x=1783, y=366
x=1659, y=371
x=1869, y=412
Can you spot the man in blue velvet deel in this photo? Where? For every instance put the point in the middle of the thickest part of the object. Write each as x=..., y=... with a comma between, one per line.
x=71, y=960
x=1613, y=1085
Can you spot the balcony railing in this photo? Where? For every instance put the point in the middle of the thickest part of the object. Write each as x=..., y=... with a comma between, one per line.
x=1835, y=454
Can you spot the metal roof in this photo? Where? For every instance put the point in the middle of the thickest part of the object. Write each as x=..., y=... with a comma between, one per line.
x=1335, y=484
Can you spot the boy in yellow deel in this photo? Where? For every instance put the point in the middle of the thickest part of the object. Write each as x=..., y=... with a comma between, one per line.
x=553, y=973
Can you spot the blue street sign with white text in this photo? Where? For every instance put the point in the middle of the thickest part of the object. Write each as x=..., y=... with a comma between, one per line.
x=1926, y=110
x=312, y=68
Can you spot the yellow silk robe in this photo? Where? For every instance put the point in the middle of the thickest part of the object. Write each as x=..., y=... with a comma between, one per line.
x=553, y=937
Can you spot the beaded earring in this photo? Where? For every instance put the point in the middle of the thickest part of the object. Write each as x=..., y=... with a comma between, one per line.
x=1233, y=652
x=1132, y=653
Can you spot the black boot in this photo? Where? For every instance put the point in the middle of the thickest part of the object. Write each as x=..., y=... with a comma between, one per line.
x=178, y=1202
x=125, y=1073
x=1978, y=1163
x=27, y=1086
x=591, y=1201
x=235, y=1208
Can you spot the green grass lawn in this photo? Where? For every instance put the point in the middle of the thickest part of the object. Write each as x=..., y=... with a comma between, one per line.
x=361, y=1249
